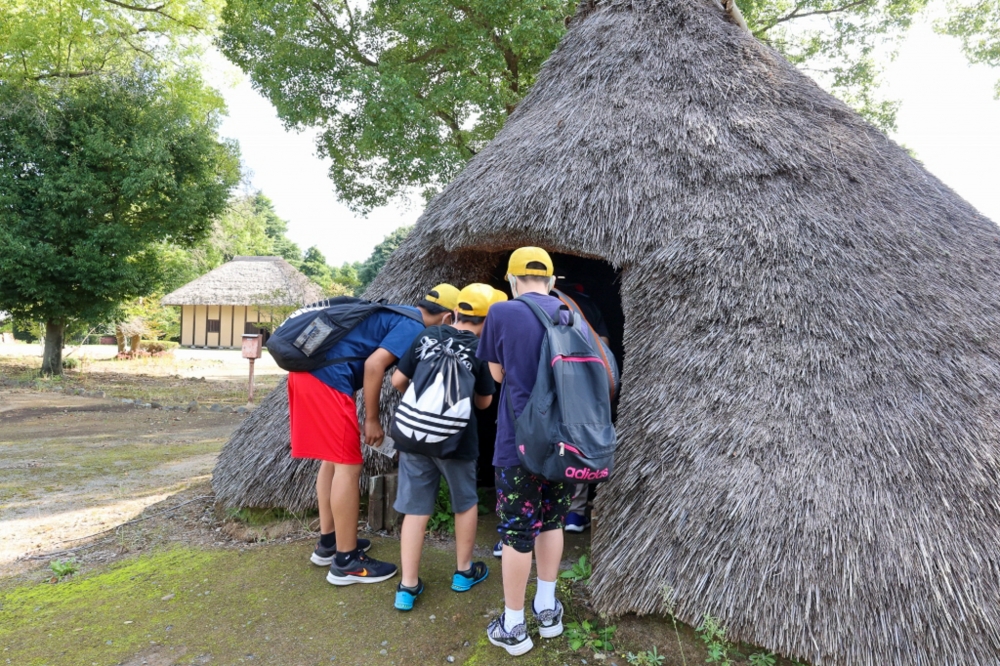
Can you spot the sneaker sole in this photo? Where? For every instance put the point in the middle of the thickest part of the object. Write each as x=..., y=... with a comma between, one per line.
x=551, y=632
x=513, y=650
x=351, y=580
x=575, y=528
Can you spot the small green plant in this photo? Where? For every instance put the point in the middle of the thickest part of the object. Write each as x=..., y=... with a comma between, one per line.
x=443, y=518
x=762, y=659
x=669, y=601
x=63, y=568
x=70, y=363
x=580, y=571
x=646, y=658
x=590, y=636
x=713, y=634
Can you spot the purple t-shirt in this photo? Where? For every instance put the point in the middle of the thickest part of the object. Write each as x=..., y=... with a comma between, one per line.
x=512, y=337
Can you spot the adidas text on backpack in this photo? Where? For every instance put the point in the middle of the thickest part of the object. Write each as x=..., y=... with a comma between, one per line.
x=437, y=405
x=565, y=431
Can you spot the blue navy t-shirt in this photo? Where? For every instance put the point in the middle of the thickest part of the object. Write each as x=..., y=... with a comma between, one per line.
x=512, y=337
x=388, y=330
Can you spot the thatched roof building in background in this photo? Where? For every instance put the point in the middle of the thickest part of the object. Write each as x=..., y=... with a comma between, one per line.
x=244, y=295
x=810, y=412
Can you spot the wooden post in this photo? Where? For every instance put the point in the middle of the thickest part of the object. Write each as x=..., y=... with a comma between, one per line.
x=251, y=381
x=392, y=517
x=376, y=502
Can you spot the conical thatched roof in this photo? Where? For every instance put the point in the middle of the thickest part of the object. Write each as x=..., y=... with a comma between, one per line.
x=248, y=281
x=810, y=411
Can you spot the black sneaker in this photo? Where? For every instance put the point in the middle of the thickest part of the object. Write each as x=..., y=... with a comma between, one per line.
x=549, y=621
x=516, y=641
x=323, y=557
x=360, y=569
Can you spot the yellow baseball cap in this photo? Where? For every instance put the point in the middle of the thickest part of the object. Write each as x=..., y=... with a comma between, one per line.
x=498, y=297
x=442, y=298
x=475, y=299
x=521, y=257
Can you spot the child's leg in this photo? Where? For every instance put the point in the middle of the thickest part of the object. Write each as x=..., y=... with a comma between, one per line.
x=465, y=537
x=411, y=546
x=516, y=568
x=518, y=507
x=548, y=554
x=324, y=483
x=345, y=502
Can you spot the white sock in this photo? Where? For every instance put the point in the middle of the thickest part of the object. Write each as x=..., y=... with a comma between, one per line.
x=512, y=618
x=545, y=595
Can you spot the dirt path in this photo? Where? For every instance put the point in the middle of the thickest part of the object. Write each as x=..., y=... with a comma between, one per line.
x=72, y=466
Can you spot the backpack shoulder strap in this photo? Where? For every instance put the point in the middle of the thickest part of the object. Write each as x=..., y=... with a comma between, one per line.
x=401, y=310
x=543, y=316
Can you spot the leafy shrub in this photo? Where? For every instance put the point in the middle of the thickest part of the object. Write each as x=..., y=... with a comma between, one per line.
x=63, y=568
x=70, y=363
x=580, y=572
x=590, y=636
x=443, y=518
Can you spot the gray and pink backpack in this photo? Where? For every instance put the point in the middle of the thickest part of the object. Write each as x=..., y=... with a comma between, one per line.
x=565, y=431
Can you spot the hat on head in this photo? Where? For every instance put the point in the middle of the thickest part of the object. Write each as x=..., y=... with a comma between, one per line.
x=521, y=257
x=475, y=299
x=442, y=298
x=498, y=297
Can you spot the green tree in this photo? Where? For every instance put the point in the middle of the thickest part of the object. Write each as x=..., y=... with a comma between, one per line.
x=977, y=25
x=314, y=267
x=406, y=92
x=276, y=229
x=373, y=264
x=93, y=177
x=55, y=39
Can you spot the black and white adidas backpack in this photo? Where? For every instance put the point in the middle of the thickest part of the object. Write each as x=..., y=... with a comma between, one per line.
x=437, y=406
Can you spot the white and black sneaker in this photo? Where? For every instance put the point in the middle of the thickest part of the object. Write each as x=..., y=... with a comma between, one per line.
x=360, y=569
x=516, y=641
x=549, y=621
x=323, y=557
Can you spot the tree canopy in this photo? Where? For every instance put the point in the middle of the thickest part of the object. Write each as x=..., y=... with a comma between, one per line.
x=374, y=263
x=406, y=92
x=93, y=178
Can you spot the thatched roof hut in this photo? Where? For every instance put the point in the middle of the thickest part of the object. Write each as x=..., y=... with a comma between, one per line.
x=810, y=412
x=244, y=295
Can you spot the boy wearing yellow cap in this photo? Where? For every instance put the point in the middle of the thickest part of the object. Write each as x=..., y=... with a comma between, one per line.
x=420, y=474
x=324, y=426
x=532, y=509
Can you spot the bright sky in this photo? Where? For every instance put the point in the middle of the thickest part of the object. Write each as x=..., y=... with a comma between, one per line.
x=948, y=117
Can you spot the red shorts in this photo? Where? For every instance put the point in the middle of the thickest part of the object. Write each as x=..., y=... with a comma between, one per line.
x=324, y=421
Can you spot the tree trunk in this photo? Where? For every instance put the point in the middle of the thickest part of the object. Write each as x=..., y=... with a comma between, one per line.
x=52, y=355
x=135, y=343
x=120, y=339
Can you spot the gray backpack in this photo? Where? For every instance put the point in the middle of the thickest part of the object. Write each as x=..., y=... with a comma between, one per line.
x=565, y=431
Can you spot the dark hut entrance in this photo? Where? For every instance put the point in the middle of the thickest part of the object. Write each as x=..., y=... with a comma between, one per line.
x=599, y=282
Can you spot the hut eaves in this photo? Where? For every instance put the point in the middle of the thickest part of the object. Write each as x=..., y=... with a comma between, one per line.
x=261, y=281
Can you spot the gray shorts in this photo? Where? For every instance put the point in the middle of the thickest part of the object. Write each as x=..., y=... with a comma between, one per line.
x=419, y=477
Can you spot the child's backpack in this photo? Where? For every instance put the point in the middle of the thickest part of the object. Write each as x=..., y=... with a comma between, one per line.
x=301, y=342
x=610, y=364
x=437, y=405
x=565, y=431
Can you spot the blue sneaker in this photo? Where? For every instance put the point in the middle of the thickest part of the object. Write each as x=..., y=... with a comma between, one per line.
x=576, y=523
x=405, y=596
x=463, y=582
x=498, y=549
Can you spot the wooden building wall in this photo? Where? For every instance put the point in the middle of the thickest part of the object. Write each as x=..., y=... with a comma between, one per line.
x=227, y=333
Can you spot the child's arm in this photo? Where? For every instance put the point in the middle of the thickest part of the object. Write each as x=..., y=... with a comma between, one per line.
x=483, y=401
x=497, y=371
x=400, y=382
x=375, y=367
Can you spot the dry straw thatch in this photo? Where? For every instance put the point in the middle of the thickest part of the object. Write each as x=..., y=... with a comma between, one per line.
x=810, y=410
x=263, y=281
